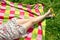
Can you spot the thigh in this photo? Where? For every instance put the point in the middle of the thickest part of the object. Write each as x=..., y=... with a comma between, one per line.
x=22, y=21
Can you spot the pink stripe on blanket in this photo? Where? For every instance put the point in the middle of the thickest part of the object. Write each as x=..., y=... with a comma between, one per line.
x=29, y=11
x=28, y=36
x=2, y=11
x=1, y=15
x=39, y=27
x=12, y=11
x=3, y=5
x=40, y=30
x=21, y=11
x=39, y=37
x=36, y=9
x=19, y=5
x=1, y=21
x=11, y=4
x=30, y=29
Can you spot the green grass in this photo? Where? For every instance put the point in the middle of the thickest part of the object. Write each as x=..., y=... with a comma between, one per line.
x=53, y=24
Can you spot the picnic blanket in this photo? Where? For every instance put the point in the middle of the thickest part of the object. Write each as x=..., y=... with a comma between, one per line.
x=10, y=10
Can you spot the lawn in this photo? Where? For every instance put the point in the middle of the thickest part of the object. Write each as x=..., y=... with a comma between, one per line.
x=53, y=24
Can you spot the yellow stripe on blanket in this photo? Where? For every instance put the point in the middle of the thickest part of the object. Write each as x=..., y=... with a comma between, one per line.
x=6, y=15
x=26, y=15
x=34, y=33
x=17, y=13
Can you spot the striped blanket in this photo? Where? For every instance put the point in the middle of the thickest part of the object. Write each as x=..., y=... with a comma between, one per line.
x=10, y=10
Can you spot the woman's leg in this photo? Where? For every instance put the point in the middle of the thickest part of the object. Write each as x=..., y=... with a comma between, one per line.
x=31, y=22
x=23, y=21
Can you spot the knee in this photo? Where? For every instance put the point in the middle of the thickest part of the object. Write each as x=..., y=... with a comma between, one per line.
x=33, y=21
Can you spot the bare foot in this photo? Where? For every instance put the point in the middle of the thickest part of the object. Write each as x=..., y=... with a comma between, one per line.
x=50, y=13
